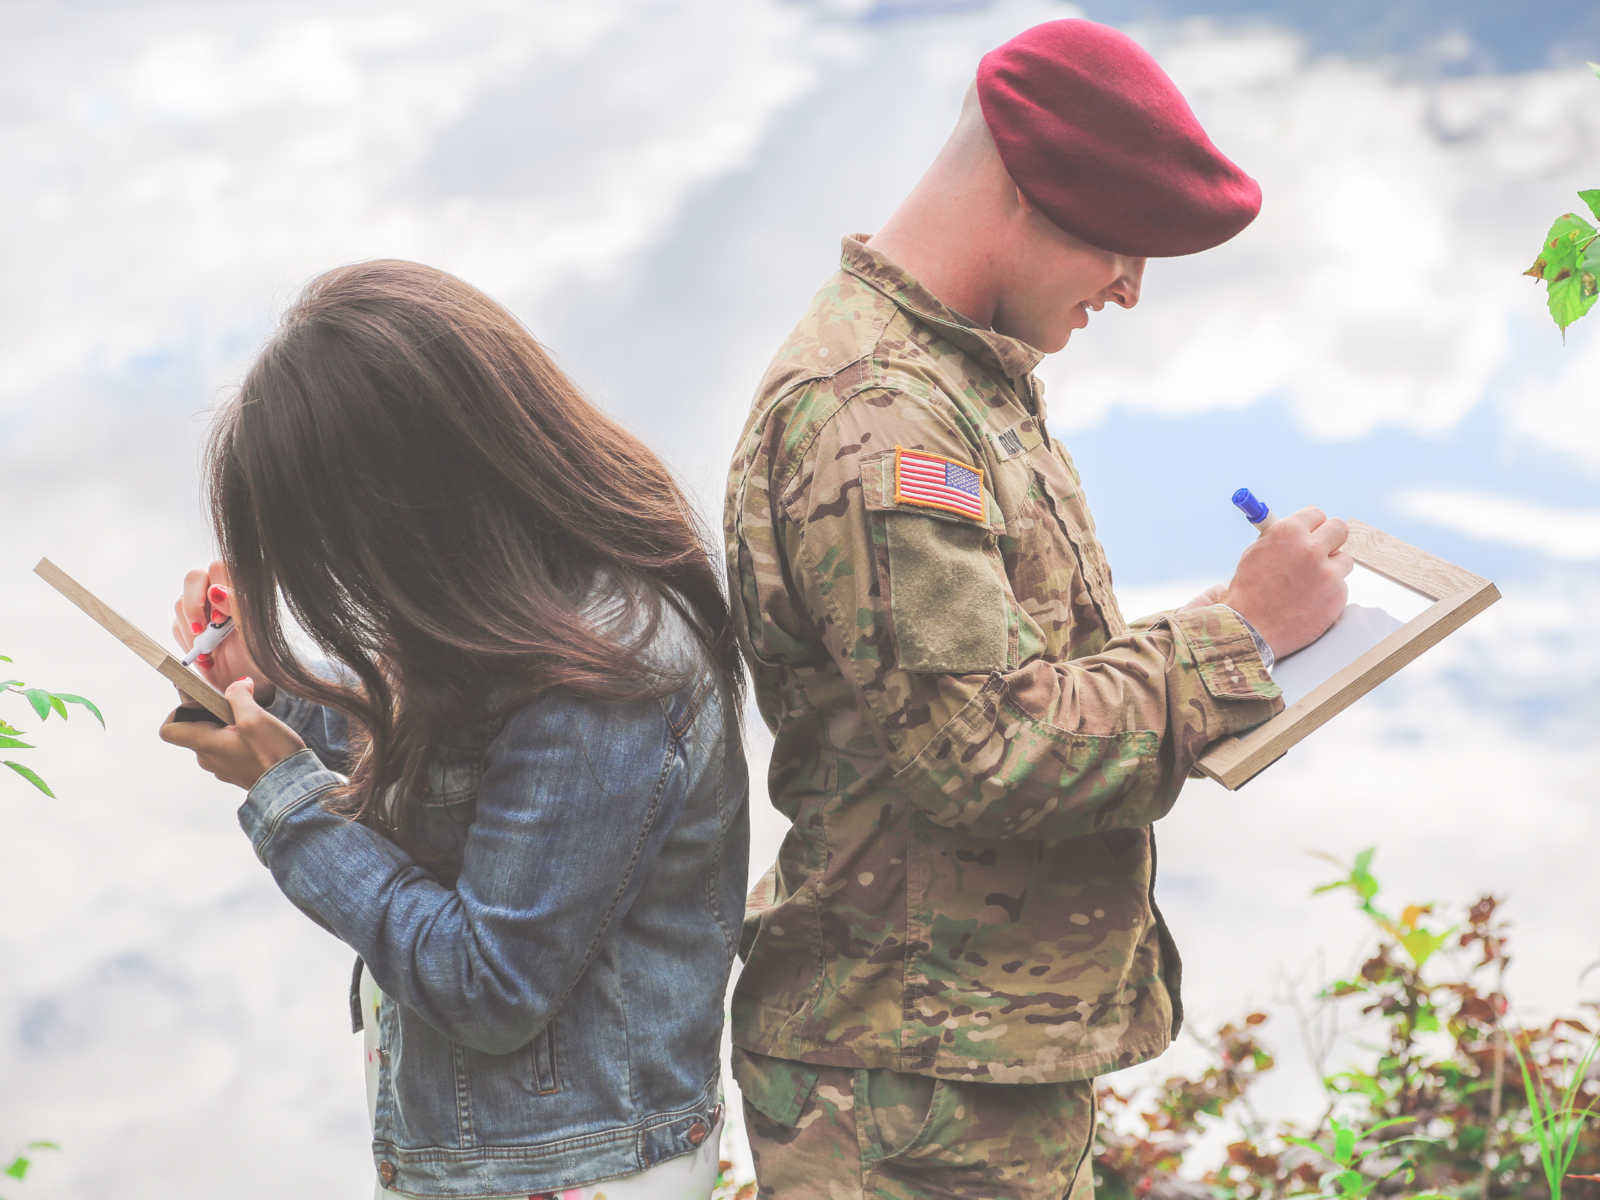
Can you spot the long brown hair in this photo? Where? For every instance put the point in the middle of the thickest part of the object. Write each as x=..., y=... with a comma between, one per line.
x=432, y=498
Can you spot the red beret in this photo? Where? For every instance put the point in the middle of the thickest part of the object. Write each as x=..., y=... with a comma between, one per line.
x=1103, y=143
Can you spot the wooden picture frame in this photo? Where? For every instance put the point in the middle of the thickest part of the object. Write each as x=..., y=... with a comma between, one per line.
x=146, y=647
x=1457, y=595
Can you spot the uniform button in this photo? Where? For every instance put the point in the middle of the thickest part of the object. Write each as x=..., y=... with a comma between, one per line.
x=386, y=1173
x=697, y=1133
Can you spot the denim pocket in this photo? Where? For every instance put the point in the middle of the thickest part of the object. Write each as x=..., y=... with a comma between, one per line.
x=546, y=1079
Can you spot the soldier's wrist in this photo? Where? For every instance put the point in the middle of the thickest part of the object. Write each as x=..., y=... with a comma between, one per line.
x=1268, y=658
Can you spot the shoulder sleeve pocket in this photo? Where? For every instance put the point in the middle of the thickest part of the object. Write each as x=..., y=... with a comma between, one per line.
x=941, y=578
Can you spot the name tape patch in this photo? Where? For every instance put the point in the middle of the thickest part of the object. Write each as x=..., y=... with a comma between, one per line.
x=936, y=482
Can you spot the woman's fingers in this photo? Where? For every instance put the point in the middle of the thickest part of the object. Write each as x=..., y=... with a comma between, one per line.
x=221, y=600
x=182, y=631
x=192, y=605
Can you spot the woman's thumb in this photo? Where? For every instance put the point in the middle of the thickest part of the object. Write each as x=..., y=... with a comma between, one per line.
x=241, y=697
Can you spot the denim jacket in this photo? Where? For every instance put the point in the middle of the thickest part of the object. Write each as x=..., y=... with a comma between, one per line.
x=554, y=998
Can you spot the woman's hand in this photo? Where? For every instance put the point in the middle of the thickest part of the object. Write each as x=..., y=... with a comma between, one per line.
x=240, y=753
x=208, y=597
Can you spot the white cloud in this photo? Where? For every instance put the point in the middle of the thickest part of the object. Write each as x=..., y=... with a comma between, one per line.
x=1380, y=285
x=1559, y=532
x=183, y=184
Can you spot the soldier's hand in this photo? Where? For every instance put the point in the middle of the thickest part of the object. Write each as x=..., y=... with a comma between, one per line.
x=1291, y=583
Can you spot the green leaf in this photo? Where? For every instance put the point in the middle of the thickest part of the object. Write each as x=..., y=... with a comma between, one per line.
x=1591, y=197
x=1344, y=1141
x=30, y=777
x=55, y=703
x=42, y=1146
x=89, y=704
x=4, y=658
x=1351, y=1183
x=1562, y=247
x=1574, y=294
x=1421, y=944
x=40, y=699
x=8, y=742
x=18, y=1168
x=1595, y=67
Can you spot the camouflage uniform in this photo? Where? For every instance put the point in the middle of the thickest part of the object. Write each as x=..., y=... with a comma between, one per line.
x=971, y=743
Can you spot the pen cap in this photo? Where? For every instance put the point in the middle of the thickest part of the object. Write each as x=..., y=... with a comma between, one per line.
x=1254, y=510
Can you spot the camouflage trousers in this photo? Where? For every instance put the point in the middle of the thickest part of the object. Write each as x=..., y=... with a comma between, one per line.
x=833, y=1133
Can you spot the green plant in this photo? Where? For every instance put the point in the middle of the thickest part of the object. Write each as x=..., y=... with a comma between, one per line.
x=1557, y=1124
x=44, y=703
x=1569, y=261
x=20, y=1163
x=1433, y=987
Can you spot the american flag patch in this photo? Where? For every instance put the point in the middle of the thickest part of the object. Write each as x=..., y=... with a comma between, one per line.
x=936, y=482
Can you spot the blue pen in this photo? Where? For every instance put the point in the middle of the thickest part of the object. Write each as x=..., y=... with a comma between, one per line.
x=1255, y=511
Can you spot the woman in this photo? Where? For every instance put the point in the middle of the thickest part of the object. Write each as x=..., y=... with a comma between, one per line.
x=516, y=787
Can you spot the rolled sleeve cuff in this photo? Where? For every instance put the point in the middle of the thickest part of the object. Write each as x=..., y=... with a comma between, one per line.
x=1223, y=649
x=1268, y=658
x=285, y=787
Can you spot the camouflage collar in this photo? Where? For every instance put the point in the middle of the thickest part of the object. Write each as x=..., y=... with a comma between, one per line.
x=1012, y=358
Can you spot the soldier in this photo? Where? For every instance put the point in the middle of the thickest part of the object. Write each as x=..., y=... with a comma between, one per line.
x=960, y=931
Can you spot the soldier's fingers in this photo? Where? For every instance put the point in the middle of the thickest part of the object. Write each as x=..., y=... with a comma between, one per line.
x=1330, y=535
x=1308, y=518
x=195, y=584
x=1344, y=562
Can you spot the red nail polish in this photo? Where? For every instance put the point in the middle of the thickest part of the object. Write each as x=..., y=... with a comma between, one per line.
x=196, y=626
x=218, y=595
x=204, y=660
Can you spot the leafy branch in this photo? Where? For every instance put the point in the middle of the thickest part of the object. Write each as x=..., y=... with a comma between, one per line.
x=1427, y=1111
x=44, y=703
x=1569, y=261
x=20, y=1163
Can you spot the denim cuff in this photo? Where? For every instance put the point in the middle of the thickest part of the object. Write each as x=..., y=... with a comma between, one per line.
x=283, y=788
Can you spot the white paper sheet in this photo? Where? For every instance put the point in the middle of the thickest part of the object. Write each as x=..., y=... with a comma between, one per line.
x=1376, y=608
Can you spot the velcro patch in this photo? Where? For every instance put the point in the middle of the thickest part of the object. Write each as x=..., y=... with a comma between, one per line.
x=936, y=482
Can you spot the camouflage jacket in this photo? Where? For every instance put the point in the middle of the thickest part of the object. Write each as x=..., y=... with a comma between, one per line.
x=971, y=743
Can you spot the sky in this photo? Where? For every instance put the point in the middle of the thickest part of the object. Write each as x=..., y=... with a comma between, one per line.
x=656, y=189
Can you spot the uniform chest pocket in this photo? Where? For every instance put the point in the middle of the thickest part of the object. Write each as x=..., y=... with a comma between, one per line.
x=940, y=577
x=1053, y=559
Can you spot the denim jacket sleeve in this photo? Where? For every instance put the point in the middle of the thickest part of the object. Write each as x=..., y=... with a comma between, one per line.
x=325, y=730
x=575, y=801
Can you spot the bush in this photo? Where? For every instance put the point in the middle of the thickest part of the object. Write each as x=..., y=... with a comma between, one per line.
x=1442, y=1110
